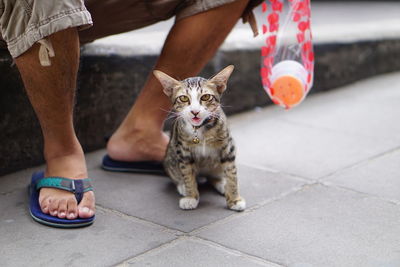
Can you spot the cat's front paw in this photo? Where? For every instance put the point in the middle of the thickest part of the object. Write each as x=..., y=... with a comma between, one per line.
x=188, y=203
x=237, y=205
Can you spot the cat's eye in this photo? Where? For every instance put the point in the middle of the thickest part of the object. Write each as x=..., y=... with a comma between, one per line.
x=205, y=97
x=183, y=98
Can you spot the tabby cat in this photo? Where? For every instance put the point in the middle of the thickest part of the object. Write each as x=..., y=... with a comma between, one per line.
x=200, y=144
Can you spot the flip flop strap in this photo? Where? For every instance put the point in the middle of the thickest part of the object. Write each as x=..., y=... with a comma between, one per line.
x=78, y=187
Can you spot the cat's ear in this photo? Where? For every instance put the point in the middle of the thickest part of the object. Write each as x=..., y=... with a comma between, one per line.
x=167, y=82
x=221, y=78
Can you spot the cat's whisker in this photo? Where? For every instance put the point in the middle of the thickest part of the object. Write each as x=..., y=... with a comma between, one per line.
x=166, y=110
x=176, y=118
x=170, y=118
x=171, y=113
x=225, y=106
x=174, y=114
x=215, y=116
x=173, y=117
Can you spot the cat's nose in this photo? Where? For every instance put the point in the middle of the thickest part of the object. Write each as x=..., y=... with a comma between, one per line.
x=195, y=112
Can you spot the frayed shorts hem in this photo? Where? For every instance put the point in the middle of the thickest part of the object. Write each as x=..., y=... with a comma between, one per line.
x=79, y=18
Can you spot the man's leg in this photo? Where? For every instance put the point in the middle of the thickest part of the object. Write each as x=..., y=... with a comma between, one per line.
x=190, y=45
x=51, y=92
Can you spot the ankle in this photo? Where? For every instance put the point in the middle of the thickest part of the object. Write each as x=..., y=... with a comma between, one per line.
x=65, y=159
x=54, y=150
x=71, y=166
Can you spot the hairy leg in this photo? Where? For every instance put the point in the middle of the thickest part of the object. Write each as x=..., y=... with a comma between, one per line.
x=189, y=46
x=51, y=92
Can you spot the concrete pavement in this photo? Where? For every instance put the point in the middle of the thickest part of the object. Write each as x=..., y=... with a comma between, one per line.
x=321, y=182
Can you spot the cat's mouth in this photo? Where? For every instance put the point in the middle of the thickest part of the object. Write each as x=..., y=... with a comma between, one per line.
x=196, y=120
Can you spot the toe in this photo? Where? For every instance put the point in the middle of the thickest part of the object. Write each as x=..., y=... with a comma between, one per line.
x=62, y=209
x=72, y=209
x=86, y=207
x=53, y=209
x=45, y=204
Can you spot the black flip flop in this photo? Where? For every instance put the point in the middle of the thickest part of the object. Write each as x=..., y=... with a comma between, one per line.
x=148, y=167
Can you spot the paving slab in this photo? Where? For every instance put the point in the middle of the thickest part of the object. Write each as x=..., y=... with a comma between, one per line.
x=17, y=180
x=154, y=198
x=365, y=108
x=379, y=176
x=110, y=240
x=310, y=152
x=327, y=132
x=196, y=253
x=317, y=226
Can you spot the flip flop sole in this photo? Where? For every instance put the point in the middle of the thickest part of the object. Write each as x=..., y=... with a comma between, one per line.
x=60, y=225
x=133, y=170
x=46, y=219
x=146, y=167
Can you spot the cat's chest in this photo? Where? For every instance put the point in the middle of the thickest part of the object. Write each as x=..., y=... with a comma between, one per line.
x=206, y=158
x=204, y=151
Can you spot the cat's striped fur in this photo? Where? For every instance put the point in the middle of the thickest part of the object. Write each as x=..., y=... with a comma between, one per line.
x=200, y=144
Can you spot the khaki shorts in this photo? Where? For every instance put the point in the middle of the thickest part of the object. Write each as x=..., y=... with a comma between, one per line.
x=25, y=22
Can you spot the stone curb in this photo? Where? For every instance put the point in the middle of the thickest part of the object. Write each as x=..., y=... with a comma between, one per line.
x=108, y=85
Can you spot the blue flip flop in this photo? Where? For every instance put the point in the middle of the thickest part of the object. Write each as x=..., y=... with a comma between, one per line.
x=149, y=167
x=78, y=187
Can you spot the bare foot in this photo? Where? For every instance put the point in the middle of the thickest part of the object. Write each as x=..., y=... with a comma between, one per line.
x=138, y=145
x=60, y=203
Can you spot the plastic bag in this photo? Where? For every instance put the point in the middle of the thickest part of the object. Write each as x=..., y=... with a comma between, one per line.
x=287, y=67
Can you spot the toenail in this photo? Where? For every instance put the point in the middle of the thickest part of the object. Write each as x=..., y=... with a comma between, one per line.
x=85, y=209
x=71, y=215
x=62, y=214
x=54, y=213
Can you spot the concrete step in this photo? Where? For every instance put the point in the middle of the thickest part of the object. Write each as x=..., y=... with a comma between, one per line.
x=352, y=41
